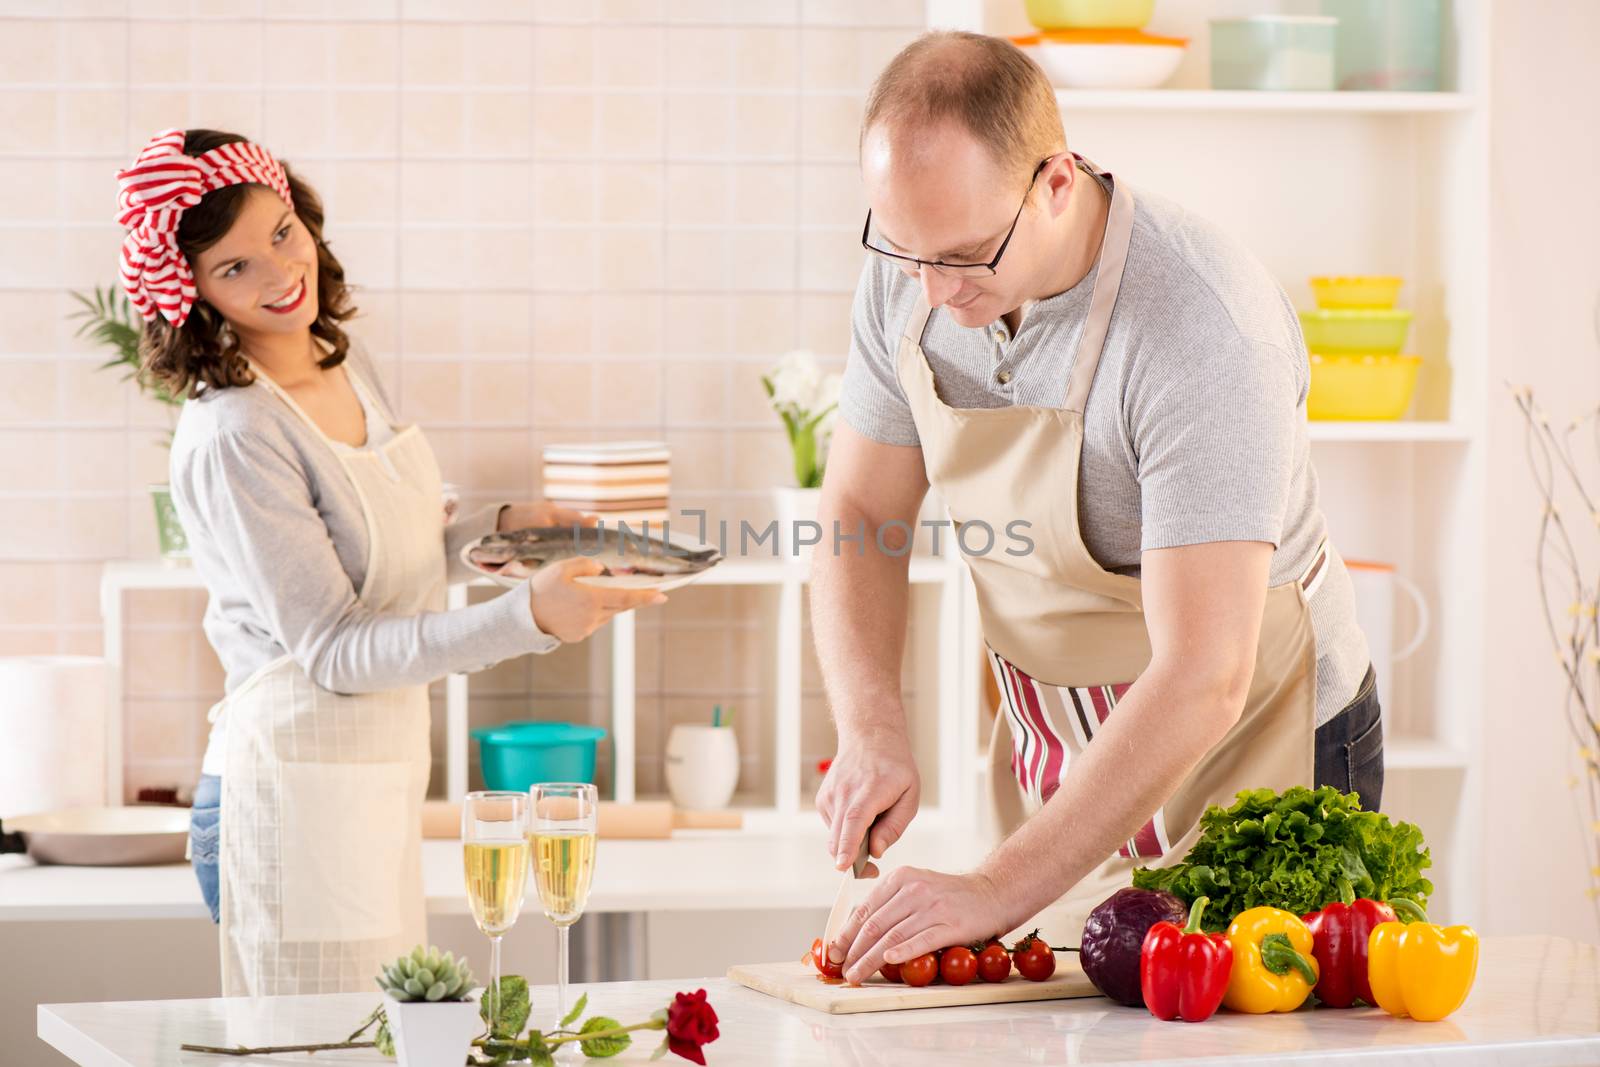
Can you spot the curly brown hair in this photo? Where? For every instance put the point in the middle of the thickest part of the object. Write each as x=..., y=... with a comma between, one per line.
x=204, y=351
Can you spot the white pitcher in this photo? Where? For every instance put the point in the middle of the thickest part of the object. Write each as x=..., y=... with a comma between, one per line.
x=1375, y=585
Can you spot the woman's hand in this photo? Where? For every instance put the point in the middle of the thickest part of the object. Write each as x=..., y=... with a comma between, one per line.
x=570, y=610
x=541, y=513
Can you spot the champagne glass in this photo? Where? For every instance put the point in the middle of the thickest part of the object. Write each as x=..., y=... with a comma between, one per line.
x=562, y=836
x=494, y=839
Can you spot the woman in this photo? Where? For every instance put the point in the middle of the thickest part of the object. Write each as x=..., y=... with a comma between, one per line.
x=317, y=524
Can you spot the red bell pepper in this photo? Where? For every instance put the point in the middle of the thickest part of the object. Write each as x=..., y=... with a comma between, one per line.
x=1182, y=971
x=1340, y=932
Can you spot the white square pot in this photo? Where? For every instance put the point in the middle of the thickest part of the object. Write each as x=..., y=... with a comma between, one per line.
x=437, y=1034
x=702, y=766
x=798, y=529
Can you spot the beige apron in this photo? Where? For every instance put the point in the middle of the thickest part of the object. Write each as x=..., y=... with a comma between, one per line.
x=1066, y=637
x=320, y=862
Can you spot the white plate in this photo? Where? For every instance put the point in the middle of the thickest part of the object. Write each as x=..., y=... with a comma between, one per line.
x=608, y=581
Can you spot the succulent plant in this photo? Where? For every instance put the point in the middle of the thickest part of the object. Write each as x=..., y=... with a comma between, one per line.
x=429, y=975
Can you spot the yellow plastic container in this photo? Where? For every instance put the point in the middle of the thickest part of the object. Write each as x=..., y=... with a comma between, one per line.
x=1351, y=386
x=1090, y=14
x=1363, y=291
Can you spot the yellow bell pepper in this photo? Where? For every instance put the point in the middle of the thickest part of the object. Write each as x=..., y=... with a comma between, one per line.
x=1423, y=970
x=1273, y=965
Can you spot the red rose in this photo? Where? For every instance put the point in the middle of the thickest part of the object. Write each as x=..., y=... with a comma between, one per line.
x=691, y=1022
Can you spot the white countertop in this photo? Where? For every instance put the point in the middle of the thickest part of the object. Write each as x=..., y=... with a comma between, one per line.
x=696, y=870
x=1537, y=1001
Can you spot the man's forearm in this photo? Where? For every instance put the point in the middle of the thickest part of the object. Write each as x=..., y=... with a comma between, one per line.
x=1112, y=787
x=858, y=619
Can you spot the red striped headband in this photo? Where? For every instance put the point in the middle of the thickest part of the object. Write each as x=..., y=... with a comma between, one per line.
x=152, y=196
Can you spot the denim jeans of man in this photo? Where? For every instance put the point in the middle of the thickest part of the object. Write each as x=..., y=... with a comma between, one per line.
x=1350, y=747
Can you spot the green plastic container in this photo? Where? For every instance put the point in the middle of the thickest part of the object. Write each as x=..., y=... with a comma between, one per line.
x=1350, y=330
x=515, y=755
x=1273, y=53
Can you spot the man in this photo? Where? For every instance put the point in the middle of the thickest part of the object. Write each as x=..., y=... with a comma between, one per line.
x=1048, y=345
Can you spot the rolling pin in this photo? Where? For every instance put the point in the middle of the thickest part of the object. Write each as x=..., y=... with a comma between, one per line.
x=643, y=820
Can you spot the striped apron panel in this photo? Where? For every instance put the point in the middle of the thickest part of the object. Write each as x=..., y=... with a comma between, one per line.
x=1048, y=723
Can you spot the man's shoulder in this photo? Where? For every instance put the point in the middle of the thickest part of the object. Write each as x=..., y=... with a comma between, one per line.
x=1205, y=284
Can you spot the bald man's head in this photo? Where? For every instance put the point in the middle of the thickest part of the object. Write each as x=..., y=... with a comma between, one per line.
x=984, y=86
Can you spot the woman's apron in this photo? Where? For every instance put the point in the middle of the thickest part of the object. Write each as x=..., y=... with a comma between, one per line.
x=1065, y=637
x=320, y=861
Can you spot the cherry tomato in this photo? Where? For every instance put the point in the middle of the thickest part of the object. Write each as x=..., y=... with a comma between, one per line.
x=1034, y=959
x=920, y=971
x=819, y=957
x=890, y=971
x=994, y=963
x=958, y=965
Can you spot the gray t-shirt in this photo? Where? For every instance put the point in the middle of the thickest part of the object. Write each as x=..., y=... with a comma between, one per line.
x=1195, y=428
x=277, y=533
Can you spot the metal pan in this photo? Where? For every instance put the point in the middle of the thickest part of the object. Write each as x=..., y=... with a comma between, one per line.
x=99, y=837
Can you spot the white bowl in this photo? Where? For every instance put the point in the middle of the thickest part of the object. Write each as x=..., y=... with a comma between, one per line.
x=1108, y=66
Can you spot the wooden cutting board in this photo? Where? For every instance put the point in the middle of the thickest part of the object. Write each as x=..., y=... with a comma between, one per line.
x=800, y=984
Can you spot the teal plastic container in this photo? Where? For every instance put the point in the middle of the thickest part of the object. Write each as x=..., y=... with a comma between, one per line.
x=515, y=755
x=1387, y=45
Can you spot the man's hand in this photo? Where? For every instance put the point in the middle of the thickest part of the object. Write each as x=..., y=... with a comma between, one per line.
x=872, y=778
x=912, y=911
x=858, y=619
x=541, y=513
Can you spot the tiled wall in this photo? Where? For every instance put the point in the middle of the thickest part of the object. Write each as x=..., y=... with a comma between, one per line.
x=569, y=220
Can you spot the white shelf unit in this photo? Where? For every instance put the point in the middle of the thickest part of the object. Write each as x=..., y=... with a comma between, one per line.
x=1075, y=100
x=957, y=690
x=1355, y=183
x=1415, y=431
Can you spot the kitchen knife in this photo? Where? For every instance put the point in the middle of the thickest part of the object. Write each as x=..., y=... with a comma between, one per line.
x=841, y=900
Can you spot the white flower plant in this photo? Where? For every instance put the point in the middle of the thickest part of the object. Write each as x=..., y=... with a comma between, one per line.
x=807, y=401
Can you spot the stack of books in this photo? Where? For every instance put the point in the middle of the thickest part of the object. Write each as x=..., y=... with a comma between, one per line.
x=621, y=481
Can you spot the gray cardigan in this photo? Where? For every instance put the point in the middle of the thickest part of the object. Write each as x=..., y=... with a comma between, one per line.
x=276, y=532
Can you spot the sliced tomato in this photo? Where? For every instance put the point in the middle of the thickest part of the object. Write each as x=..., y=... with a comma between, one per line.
x=818, y=958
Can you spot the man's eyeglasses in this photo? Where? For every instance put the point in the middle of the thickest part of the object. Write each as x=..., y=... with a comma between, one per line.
x=911, y=264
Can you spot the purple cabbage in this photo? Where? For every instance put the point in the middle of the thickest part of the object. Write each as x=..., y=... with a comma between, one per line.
x=1114, y=935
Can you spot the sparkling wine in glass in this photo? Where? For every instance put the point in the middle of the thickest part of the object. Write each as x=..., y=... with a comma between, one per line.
x=494, y=841
x=561, y=836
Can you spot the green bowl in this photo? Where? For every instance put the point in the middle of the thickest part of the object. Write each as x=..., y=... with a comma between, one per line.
x=1373, y=330
x=515, y=755
x=1090, y=14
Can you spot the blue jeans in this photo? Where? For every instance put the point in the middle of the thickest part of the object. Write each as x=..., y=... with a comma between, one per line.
x=1350, y=747
x=205, y=820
